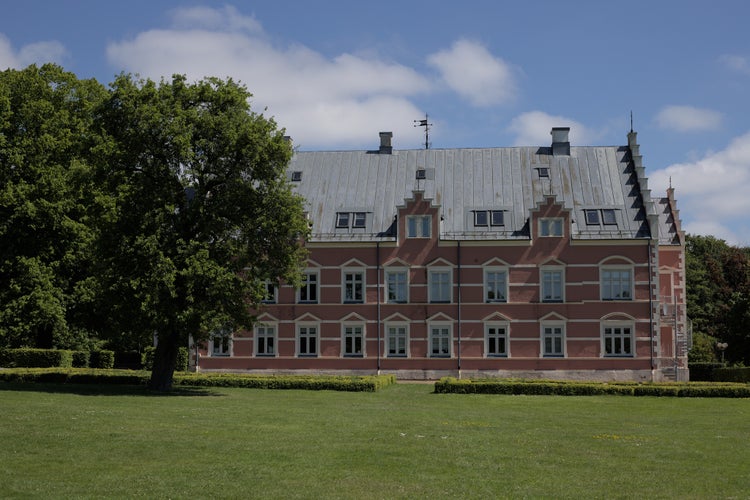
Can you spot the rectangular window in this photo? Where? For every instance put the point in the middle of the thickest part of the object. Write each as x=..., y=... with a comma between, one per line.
x=552, y=286
x=617, y=284
x=309, y=290
x=220, y=344
x=307, y=338
x=354, y=341
x=296, y=176
x=396, y=339
x=495, y=286
x=618, y=341
x=265, y=341
x=550, y=227
x=480, y=218
x=270, y=292
x=397, y=286
x=592, y=217
x=608, y=216
x=342, y=219
x=360, y=219
x=496, y=337
x=439, y=286
x=553, y=341
x=543, y=172
x=440, y=342
x=497, y=218
x=354, y=287
x=418, y=226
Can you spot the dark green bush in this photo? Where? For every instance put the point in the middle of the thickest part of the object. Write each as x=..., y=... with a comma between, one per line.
x=102, y=359
x=73, y=375
x=41, y=358
x=732, y=374
x=6, y=360
x=147, y=359
x=311, y=382
x=81, y=359
x=703, y=371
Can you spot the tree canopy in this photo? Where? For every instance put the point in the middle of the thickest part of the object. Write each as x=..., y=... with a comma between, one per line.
x=139, y=209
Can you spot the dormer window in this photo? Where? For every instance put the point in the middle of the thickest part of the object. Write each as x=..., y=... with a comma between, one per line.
x=497, y=218
x=543, y=172
x=484, y=218
x=609, y=217
x=359, y=219
x=418, y=226
x=342, y=219
x=592, y=217
x=551, y=227
x=296, y=176
x=480, y=218
x=421, y=173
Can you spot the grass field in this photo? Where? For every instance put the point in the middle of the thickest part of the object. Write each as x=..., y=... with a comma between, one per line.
x=402, y=442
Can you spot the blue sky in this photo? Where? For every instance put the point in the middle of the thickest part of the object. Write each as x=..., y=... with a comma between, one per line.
x=489, y=73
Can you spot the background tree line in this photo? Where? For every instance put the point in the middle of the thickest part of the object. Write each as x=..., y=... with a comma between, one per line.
x=718, y=296
x=138, y=209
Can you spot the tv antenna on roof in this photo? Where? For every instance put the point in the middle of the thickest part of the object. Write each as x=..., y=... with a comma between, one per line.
x=424, y=123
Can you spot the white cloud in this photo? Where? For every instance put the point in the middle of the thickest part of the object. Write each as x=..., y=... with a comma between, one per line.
x=712, y=191
x=33, y=53
x=340, y=101
x=473, y=72
x=736, y=63
x=688, y=119
x=534, y=127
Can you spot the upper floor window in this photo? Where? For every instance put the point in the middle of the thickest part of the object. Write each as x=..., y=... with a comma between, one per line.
x=308, y=292
x=271, y=288
x=397, y=285
x=618, y=340
x=354, y=286
x=552, y=285
x=439, y=282
x=496, y=340
x=551, y=227
x=495, y=285
x=617, y=284
x=418, y=226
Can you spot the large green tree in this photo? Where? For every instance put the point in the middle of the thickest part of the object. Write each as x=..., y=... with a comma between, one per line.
x=201, y=214
x=46, y=206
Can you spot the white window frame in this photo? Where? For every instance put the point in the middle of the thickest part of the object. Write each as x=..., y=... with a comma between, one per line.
x=500, y=214
x=592, y=217
x=481, y=218
x=307, y=285
x=609, y=216
x=441, y=277
x=612, y=286
x=353, y=284
x=440, y=340
x=224, y=348
x=500, y=333
x=342, y=219
x=305, y=332
x=272, y=292
x=546, y=278
x=265, y=332
x=394, y=330
x=359, y=220
x=349, y=331
x=619, y=339
x=394, y=272
x=551, y=227
x=553, y=332
x=419, y=226
x=495, y=270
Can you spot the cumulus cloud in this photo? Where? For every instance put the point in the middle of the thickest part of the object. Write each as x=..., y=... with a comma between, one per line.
x=712, y=191
x=473, y=72
x=339, y=101
x=688, y=119
x=736, y=63
x=533, y=128
x=33, y=53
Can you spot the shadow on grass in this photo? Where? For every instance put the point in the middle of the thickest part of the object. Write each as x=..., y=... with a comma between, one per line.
x=105, y=389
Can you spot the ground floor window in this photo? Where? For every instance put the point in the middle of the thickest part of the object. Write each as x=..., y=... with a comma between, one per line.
x=307, y=341
x=440, y=341
x=553, y=340
x=265, y=341
x=354, y=340
x=221, y=343
x=496, y=340
x=396, y=339
x=618, y=340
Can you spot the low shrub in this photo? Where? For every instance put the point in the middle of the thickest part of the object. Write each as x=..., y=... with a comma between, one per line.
x=147, y=359
x=732, y=374
x=311, y=382
x=102, y=359
x=73, y=376
x=81, y=359
x=41, y=358
x=564, y=388
x=703, y=371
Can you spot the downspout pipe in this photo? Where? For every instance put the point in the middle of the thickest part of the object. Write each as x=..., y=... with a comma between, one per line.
x=458, y=299
x=377, y=259
x=651, y=306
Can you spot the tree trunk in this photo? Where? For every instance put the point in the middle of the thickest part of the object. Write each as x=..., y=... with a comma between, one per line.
x=165, y=361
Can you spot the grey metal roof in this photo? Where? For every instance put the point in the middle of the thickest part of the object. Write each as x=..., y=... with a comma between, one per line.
x=462, y=180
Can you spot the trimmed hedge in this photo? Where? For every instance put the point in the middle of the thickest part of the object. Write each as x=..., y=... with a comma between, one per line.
x=102, y=359
x=732, y=374
x=703, y=371
x=119, y=377
x=38, y=358
x=81, y=359
x=451, y=385
x=147, y=359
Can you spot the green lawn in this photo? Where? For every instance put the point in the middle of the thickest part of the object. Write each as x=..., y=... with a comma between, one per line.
x=402, y=442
